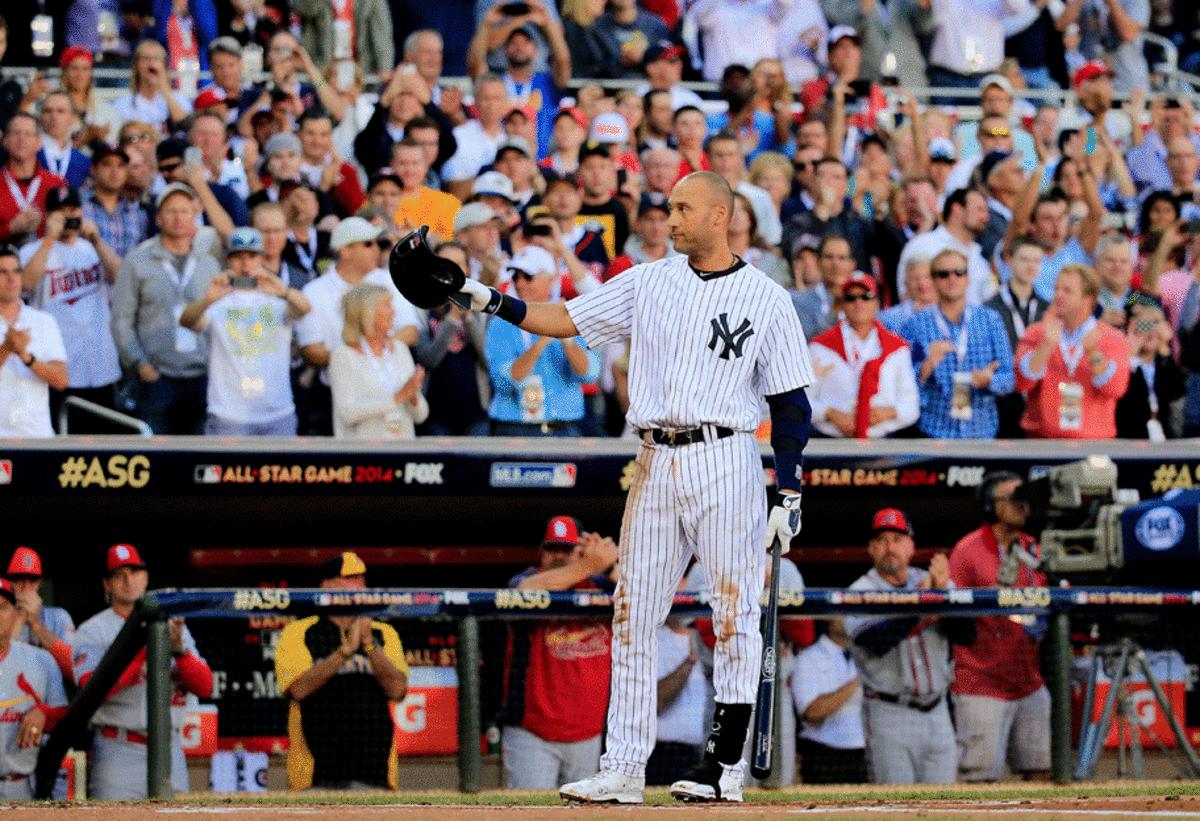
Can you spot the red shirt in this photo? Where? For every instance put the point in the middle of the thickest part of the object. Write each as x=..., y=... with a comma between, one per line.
x=557, y=675
x=1003, y=661
x=11, y=205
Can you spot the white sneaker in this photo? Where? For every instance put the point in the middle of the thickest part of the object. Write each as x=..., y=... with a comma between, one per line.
x=605, y=787
x=710, y=781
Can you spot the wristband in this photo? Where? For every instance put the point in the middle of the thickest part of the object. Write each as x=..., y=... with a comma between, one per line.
x=32, y=359
x=509, y=308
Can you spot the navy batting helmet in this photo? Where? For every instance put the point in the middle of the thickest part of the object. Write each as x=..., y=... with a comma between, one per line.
x=425, y=279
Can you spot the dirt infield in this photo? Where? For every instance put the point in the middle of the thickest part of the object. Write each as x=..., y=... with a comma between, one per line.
x=1148, y=800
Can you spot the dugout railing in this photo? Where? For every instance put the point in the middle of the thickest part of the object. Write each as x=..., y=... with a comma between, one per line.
x=148, y=628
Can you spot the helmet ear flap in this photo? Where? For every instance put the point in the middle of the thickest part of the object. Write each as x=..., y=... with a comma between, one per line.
x=425, y=279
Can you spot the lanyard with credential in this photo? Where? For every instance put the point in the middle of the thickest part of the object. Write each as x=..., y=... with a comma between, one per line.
x=960, y=346
x=180, y=279
x=24, y=201
x=1020, y=318
x=1072, y=353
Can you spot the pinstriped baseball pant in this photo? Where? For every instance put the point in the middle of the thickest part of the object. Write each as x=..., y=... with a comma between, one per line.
x=706, y=500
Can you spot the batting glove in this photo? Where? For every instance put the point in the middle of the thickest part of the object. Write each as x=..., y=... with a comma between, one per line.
x=784, y=521
x=477, y=296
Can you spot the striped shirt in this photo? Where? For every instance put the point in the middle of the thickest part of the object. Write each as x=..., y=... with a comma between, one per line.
x=704, y=347
x=986, y=342
x=123, y=228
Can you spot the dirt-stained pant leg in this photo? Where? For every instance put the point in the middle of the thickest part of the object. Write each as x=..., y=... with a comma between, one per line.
x=723, y=499
x=652, y=560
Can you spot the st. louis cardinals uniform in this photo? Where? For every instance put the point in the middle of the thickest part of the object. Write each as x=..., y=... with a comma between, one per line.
x=29, y=678
x=26, y=563
x=705, y=349
x=119, y=761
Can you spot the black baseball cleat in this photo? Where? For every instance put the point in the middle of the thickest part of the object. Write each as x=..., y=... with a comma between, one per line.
x=711, y=781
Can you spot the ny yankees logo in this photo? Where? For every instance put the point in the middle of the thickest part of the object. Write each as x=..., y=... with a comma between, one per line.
x=733, y=340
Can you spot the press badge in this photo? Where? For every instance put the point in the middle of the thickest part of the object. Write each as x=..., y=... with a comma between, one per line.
x=185, y=338
x=533, y=399
x=1070, y=406
x=960, y=400
x=342, y=46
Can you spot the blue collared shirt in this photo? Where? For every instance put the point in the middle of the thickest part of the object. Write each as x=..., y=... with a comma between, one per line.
x=1071, y=253
x=987, y=342
x=561, y=387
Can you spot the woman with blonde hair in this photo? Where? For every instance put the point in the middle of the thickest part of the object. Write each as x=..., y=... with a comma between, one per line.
x=772, y=172
x=77, y=82
x=375, y=384
x=150, y=98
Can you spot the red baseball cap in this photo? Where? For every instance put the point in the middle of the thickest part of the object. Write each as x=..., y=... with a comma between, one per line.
x=213, y=95
x=860, y=280
x=562, y=531
x=72, y=53
x=574, y=113
x=891, y=518
x=124, y=555
x=1090, y=71
x=6, y=591
x=25, y=562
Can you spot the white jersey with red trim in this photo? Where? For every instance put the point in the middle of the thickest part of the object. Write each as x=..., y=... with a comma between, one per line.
x=29, y=677
x=127, y=708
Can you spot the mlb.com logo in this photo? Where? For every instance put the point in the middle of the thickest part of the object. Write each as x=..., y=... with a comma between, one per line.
x=207, y=475
x=533, y=474
x=5, y=471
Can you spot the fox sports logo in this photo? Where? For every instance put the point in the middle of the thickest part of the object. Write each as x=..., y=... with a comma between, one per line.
x=1160, y=528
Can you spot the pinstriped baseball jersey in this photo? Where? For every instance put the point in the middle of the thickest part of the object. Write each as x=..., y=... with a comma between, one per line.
x=126, y=709
x=919, y=666
x=29, y=676
x=704, y=348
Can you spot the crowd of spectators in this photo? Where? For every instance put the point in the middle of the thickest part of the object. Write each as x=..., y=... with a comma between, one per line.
x=207, y=251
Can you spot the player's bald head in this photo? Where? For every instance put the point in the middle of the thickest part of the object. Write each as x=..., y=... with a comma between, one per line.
x=709, y=187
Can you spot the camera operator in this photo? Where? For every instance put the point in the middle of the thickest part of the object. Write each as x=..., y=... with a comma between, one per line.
x=1001, y=705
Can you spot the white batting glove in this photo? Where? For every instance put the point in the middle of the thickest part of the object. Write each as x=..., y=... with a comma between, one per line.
x=480, y=295
x=784, y=522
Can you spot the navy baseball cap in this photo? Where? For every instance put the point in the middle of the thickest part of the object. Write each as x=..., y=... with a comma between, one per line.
x=62, y=197
x=991, y=161
x=653, y=201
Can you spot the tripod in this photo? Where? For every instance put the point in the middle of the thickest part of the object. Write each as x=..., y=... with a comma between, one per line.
x=1121, y=661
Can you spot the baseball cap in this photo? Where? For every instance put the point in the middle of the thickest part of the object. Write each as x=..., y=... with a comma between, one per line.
x=72, y=53
x=806, y=242
x=351, y=230
x=652, y=201
x=175, y=188
x=283, y=141
x=941, y=149
x=525, y=110
x=561, y=532
x=999, y=81
x=609, y=127
x=472, y=214
x=286, y=187
x=346, y=563
x=554, y=178
x=244, y=241
x=991, y=161
x=574, y=113
x=225, y=45
x=124, y=555
x=209, y=97
x=842, y=32
x=663, y=50
x=891, y=518
x=533, y=261
x=7, y=592
x=493, y=183
x=1090, y=71
x=594, y=149
x=514, y=144
x=62, y=197
x=24, y=562
x=860, y=280
x=103, y=151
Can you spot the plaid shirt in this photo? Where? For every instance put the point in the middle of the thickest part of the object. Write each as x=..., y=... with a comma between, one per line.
x=987, y=342
x=124, y=228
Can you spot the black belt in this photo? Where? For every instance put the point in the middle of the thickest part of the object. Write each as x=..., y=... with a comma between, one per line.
x=905, y=701
x=677, y=438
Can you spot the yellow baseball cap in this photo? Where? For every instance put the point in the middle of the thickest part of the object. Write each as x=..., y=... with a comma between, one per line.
x=347, y=563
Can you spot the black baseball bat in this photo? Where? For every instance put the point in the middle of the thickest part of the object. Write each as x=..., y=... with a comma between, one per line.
x=764, y=708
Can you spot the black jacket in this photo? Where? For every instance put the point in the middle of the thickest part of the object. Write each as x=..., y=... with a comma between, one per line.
x=1133, y=409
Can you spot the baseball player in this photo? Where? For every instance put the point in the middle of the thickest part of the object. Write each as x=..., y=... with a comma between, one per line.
x=710, y=336
x=904, y=665
x=32, y=701
x=118, y=765
x=48, y=627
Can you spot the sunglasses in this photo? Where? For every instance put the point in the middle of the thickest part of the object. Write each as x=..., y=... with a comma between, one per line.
x=130, y=139
x=859, y=298
x=946, y=273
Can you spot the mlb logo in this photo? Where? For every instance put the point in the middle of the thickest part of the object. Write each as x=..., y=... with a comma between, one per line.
x=564, y=475
x=5, y=471
x=122, y=552
x=207, y=475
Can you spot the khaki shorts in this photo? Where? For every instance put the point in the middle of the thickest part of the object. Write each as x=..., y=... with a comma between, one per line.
x=993, y=731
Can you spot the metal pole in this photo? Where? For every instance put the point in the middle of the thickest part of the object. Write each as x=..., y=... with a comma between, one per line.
x=158, y=708
x=470, y=757
x=1060, y=697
